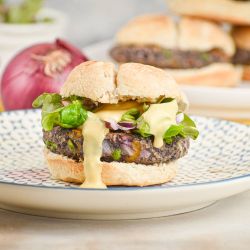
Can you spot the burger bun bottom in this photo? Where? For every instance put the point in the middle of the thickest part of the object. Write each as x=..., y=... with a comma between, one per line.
x=215, y=75
x=113, y=173
x=246, y=72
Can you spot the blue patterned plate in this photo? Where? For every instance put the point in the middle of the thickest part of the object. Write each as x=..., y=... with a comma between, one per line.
x=217, y=166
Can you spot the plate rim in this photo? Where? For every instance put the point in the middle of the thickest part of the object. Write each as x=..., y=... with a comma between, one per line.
x=121, y=188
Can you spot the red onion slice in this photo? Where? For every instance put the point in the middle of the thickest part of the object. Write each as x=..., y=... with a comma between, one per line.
x=111, y=124
x=127, y=125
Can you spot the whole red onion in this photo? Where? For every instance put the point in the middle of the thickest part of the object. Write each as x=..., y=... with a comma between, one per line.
x=38, y=69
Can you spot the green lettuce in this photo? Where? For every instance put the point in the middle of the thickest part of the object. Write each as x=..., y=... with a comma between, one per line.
x=131, y=115
x=143, y=127
x=55, y=113
x=186, y=128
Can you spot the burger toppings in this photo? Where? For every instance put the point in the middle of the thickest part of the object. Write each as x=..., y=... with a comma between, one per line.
x=158, y=120
x=142, y=133
x=54, y=113
x=167, y=58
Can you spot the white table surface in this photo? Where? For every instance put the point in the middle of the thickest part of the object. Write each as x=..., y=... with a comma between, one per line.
x=224, y=225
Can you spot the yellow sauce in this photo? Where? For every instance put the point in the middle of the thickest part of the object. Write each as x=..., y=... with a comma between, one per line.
x=115, y=111
x=94, y=132
x=159, y=118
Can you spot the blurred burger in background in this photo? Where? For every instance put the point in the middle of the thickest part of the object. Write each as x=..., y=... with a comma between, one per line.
x=233, y=12
x=241, y=35
x=229, y=11
x=194, y=51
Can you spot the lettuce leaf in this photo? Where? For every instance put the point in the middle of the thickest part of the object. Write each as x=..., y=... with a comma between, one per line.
x=143, y=127
x=55, y=113
x=186, y=128
x=131, y=115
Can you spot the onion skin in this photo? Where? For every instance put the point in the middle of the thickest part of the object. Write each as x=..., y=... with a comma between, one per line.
x=24, y=77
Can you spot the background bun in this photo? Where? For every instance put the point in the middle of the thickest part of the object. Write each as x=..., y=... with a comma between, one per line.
x=149, y=29
x=241, y=36
x=99, y=82
x=202, y=35
x=114, y=173
x=188, y=34
x=246, y=72
x=217, y=74
x=235, y=12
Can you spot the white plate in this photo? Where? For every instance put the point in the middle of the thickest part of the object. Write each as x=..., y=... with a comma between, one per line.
x=209, y=101
x=217, y=166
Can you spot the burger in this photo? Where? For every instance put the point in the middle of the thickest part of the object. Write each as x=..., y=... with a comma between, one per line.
x=231, y=11
x=193, y=51
x=241, y=35
x=109, y=127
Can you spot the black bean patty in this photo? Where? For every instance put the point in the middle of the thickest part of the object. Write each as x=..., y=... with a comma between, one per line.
x=242, y=56
x=164, y=58
x=117, y=146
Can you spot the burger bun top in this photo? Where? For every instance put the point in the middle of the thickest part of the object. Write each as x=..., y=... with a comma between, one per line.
x=188, y=34
x=100, y=82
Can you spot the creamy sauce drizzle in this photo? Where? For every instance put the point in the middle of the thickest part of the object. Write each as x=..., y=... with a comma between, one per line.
x=159, y=118
x=94, y=132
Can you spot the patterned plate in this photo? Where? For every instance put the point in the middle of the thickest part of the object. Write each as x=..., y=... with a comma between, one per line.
x=219, y=158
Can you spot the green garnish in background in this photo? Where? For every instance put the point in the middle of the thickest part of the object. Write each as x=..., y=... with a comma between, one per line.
x=167, y=53
x=205, y=56
x=23, y=13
